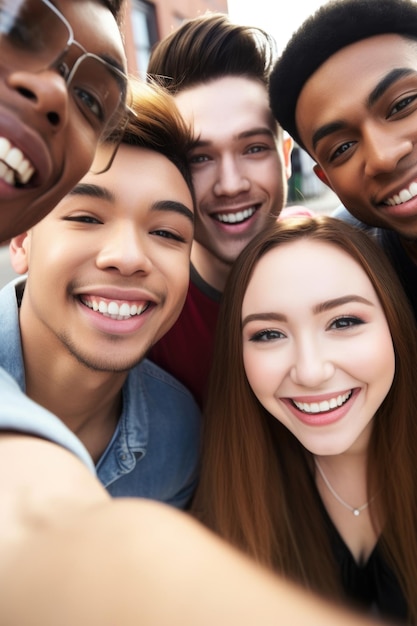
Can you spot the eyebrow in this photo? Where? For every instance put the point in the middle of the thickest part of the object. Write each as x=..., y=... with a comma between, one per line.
x=174, y=206
x=318, y=308
x=92, y=191
x=102, y=193
x=246, y=134
x=379, y=90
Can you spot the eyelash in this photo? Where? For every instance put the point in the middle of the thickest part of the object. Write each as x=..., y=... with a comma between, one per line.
x=166, y=234
x=340, y=323
x=86, y=219
x=348, y=321
x=267, y=335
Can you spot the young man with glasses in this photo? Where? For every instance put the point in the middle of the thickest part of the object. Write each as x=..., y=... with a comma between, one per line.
x=69, y=554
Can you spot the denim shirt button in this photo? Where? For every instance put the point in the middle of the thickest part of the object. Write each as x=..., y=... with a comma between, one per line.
x=123, y=457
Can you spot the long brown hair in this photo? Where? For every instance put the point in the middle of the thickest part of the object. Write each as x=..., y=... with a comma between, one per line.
x=257, y=481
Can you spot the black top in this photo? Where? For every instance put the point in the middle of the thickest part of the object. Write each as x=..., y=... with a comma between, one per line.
x=371, y=586
x=403, y=265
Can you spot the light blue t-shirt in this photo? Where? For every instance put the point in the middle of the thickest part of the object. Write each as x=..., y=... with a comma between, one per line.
x=154, y=450
x=19, y=414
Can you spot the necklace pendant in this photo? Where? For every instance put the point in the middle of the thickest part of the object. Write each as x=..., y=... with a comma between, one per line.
x=356, y=512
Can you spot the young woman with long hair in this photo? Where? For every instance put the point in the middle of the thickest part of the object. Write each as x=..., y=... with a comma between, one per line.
x=309, y=452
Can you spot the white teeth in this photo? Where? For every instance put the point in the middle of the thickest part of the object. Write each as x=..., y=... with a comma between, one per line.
x=19, y=169
x=115, y=311
x=324, y=406
x=235, y=218
x=403, y=195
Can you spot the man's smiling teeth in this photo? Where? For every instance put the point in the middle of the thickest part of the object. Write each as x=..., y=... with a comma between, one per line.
x=123, y=311
x=15, y=169
x=324, y=406
x=403, y=196
x=235, y=218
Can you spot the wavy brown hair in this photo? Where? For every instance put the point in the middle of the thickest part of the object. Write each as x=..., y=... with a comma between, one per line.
x=257, y=481
x=208, y=47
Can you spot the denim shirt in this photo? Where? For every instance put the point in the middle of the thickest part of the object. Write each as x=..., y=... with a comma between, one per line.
x=154, y=450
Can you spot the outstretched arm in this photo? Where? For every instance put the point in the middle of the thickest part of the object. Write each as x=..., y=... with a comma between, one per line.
x=71, y=556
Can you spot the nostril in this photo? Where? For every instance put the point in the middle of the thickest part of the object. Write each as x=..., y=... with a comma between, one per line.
x=26, y=93
x=53, y=118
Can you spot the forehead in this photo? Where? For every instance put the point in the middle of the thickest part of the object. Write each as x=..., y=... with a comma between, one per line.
x=304, y=272
x=341, y=86
x=136, y=174
x=226, y=105
x=94, y=27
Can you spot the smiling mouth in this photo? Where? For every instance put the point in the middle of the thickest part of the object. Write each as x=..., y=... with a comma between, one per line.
x=116, y=311
x=235, y=218
x=15, y=168
x=325, y=406
x=403, y=196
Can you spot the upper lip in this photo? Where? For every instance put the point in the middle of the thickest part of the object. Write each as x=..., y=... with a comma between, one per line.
x=30, y=143
x=117, y=293
x=235, y=209
x=320, y=397
x=383, y=200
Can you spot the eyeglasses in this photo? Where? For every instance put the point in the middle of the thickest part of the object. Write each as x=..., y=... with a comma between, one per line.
x=35, y=36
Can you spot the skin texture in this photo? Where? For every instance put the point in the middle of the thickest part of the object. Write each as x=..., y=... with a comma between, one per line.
x=109, y=241
x=370, y=154
x=37, y=115
x=237, y=164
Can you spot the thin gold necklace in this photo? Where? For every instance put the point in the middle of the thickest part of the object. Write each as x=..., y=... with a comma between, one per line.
x=355, y=510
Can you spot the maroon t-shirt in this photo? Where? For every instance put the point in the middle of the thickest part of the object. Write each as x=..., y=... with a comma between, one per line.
x=186, y=350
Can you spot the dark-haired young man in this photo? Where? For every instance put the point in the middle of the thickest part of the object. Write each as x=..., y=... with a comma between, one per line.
x=218, y=72
x=345, y=88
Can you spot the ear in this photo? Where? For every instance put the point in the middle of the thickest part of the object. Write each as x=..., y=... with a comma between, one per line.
x=321, y=175
x=287, y=146
x=19, y=252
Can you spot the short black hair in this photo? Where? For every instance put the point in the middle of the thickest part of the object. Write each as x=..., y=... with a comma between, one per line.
x=334, y=26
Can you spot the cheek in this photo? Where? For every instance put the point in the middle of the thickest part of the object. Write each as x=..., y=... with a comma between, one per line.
x=263, y=371
x=203, y=181
x=177, y=277
x=375, y=361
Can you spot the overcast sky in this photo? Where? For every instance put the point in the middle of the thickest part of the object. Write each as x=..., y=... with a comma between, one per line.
x=279, y=19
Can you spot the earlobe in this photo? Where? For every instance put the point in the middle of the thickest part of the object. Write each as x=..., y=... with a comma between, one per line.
x=288, y=145
x=18, y=250
x=321, y=175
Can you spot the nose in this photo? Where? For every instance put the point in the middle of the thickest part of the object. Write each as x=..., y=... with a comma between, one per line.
x=47, y=93
x=311, y=367
x=231, y=177
x=124, y=251
x=384, y=150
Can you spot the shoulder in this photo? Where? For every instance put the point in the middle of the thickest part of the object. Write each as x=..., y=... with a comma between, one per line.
x=20, y=414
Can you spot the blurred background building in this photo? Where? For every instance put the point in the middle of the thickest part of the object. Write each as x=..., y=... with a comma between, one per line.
x=147, y=22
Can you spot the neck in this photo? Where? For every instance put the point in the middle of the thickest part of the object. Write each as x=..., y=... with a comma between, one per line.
x=89, y=402
x=410, y=247
x=212, y=270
